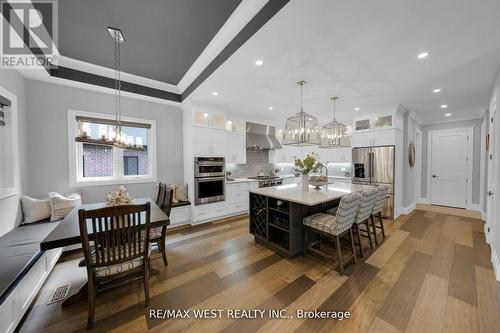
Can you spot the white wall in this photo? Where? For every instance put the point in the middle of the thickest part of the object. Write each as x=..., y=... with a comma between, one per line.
x=10, y=210
x=409, y=174
x=47, y=144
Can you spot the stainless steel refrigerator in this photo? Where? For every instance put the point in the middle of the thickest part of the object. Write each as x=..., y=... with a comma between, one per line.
x=375, y=166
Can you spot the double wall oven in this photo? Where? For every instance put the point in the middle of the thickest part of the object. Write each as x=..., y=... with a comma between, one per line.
x=209, y=179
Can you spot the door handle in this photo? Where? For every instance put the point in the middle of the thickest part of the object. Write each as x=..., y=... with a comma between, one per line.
x=490, y=193
x=434, y=176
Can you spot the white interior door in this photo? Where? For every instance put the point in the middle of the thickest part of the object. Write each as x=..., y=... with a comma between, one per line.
x=492, y=202
x=449, y=167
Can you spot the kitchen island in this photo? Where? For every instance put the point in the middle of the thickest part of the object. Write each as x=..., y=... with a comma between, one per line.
x=276, y=213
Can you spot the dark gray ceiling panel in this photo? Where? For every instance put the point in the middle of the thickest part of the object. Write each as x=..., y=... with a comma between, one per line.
x=164, y=37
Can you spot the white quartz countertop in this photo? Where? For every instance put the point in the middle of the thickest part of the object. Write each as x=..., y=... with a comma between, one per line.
x=294, y=193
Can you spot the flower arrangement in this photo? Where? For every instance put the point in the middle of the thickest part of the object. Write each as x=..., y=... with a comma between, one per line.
x=119, y=197
x=309, y=164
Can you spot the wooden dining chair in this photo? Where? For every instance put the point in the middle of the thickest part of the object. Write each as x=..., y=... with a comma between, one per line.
x=122, y=250
x=158, y=235
x=334, y=226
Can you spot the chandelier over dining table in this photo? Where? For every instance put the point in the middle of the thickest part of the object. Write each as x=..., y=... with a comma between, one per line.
x=111, y=131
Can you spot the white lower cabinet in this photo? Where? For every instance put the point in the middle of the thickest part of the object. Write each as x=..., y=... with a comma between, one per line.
x=236, y=203
x=180, y=215
x=17, y=303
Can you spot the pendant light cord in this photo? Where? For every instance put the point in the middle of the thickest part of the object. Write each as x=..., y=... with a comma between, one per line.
x=118, y=84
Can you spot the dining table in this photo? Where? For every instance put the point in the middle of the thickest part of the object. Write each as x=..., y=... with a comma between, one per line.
x=67, y=233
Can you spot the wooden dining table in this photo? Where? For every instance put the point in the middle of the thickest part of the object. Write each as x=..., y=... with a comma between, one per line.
x=67, y=233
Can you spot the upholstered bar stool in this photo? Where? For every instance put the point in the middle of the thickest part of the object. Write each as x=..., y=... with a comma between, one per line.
x=368, y=197
x=334, y=226
x=377, y=210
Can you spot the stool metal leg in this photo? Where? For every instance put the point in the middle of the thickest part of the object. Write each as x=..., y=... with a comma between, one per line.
x=339, y=252
x=374, y=230
x=367, y=224
x=358, y=233
x=381, y=224
x=351, y=238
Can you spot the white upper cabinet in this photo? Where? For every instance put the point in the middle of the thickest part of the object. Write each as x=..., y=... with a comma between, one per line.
x=209, y=142
x=236, y=148
x=202, y=118
x=374, y=138
x=379, y=121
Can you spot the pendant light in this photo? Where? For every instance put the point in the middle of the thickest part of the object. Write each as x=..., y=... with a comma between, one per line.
x=110, y=132
x=301, y=129
x=335, y=134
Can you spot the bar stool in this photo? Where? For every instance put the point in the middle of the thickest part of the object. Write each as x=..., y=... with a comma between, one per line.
x=368, y=197
x=377, y=210
x=334, y=226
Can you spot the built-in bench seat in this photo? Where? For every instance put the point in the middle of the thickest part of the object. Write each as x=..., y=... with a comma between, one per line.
x=24, y=268
x=180, y=213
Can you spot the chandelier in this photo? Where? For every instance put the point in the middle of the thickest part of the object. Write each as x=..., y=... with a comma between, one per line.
x=335, y=134
x=110, y=132
x=301, y=129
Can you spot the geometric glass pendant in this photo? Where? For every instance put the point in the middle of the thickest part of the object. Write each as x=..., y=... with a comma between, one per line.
x=301, y=129
x=335, y=134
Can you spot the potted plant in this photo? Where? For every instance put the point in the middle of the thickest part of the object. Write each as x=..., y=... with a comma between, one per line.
x=309, y=164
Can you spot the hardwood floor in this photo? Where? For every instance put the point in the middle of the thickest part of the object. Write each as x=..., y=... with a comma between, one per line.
x=431, y=274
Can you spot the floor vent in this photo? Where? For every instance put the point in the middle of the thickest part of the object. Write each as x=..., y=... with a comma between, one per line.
x=60, y=293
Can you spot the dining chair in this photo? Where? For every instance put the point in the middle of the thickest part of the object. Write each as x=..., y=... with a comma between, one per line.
x=377, y=210
x=334, y=227
x=122, y=250
x=368, y=197
x=158, y=235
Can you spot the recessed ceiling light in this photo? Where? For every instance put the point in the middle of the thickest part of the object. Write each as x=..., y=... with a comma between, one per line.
x=437, y=90
x=259, y=62
x=422, y=55
x=356, y=108
x=447, y=114
x=215, y=93
x=270, y=108
x=444, y=106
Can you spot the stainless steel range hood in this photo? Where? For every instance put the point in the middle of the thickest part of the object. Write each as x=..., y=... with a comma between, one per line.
x=261, y=137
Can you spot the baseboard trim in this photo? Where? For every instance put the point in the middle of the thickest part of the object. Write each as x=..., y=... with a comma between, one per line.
x=450, y=211
x=476, y=207
x=423, y=201
x=409, y=209
x=495, y=262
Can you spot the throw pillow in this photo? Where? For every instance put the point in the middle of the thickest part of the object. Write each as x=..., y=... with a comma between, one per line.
x=181, y=192
x=61, y=205
x=174, y=189
x=35, y=210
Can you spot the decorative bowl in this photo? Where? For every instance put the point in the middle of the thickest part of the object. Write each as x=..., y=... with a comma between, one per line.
x=318, y=181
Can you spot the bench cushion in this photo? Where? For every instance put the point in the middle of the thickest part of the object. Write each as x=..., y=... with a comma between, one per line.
x=19, y=250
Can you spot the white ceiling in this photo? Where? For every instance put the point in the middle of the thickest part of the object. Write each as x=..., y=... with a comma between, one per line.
x=365, y=52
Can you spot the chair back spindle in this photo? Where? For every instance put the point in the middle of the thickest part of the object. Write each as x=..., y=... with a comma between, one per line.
x=116, y=233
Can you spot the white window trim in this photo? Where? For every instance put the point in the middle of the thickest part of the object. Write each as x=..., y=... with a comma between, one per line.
x=15, y=189
x=74, y=162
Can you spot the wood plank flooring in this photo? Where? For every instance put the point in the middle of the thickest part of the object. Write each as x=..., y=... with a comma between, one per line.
x=431, y=274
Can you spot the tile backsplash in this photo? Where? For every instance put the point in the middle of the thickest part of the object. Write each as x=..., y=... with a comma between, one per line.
x=256, y=161
x=259, y=160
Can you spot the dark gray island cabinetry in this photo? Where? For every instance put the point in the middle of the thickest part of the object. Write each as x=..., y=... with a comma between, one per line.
x=276, y=213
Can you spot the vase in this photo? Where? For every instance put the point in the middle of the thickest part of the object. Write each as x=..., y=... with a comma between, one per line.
x=305, y=183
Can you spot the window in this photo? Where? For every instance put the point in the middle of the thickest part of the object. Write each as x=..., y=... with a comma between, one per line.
x=93, y=161
x=9, y=158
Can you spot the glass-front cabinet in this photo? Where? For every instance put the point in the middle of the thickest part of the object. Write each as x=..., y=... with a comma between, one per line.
x=376, y=122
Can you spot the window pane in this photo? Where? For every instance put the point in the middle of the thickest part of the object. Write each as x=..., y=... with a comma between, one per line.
x=135, y=163
x=97, y=160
